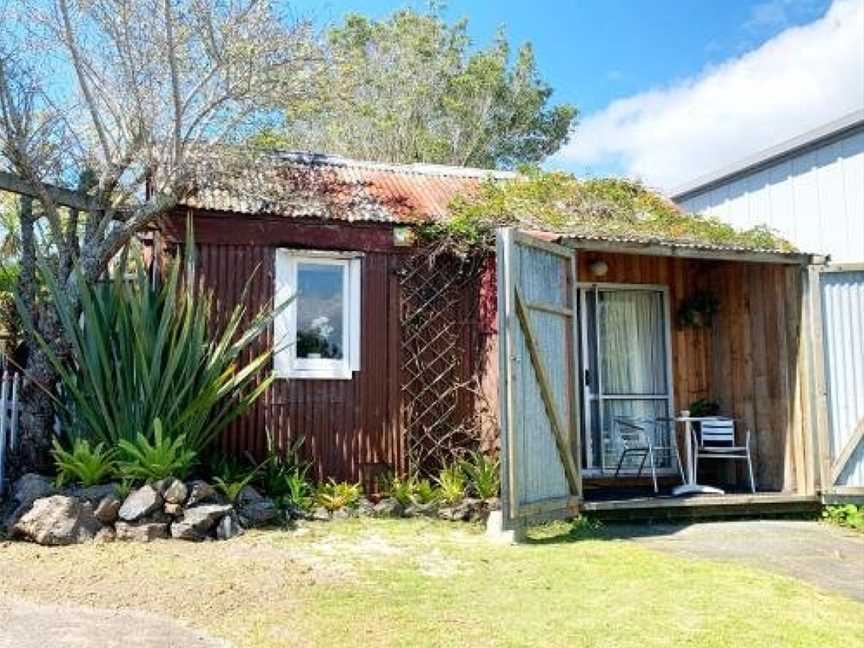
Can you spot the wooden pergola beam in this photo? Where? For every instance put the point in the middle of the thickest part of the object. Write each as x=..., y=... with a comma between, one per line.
x=64, y=197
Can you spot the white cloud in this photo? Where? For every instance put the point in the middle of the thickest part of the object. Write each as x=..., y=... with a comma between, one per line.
x=800, y=79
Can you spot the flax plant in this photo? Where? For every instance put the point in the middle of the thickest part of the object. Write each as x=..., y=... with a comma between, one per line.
x=143, y=353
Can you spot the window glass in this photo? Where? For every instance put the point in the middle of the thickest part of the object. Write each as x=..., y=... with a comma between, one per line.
x=320, y=311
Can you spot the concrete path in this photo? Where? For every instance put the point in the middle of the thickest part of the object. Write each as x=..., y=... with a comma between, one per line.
x=28, y=625
x=827, y=556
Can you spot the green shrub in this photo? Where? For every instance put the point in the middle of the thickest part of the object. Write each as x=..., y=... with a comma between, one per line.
x=336, y=495
x=281, y=471
x=83, y=463
x=231, y=476
x=232, y=489
x=147, y=353
x=451, y=484
x=423, y=492
x=411, y=490
x=299, y=490
x=123, y=488
x=484, y=474
x=162, y=457
x=560, y=202
x=399, y=489
x=848, y=515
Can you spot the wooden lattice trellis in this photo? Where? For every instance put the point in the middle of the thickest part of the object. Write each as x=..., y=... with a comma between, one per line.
x=437, y=317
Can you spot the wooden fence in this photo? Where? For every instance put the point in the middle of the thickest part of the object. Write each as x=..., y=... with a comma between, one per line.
x=9, y=388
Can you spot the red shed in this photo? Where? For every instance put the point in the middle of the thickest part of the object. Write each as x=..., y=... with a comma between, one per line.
x=393, y=357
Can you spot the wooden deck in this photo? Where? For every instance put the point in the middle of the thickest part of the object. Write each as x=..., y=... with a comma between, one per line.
x=666, y=507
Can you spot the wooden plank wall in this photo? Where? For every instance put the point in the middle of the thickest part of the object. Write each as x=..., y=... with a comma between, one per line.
x=750, y=360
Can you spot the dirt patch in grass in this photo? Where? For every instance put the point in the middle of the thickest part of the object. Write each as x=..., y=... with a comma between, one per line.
x=425, y=583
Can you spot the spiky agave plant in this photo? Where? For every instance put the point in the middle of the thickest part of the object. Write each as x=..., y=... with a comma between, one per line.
x=143, y=352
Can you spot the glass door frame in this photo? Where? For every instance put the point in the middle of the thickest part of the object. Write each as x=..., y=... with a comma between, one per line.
x=583, y=288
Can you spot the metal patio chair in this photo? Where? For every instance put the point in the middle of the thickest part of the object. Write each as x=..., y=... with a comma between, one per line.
x=636, y=436
x=715, y=439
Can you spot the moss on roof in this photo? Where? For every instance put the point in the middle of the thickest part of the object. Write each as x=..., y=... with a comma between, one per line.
x=561, y=203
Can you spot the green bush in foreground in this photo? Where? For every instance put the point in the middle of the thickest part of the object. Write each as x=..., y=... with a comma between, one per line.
x=484, y=474
x=848, y=515
x=150, y=460
x=83, y=463
x=334, y=495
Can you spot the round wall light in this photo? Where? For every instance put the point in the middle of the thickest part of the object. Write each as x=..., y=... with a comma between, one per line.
x=599, y=268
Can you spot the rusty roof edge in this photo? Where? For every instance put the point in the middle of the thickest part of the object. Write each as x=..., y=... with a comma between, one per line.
x=662, y=247
x=436, y=170
x=689, y=250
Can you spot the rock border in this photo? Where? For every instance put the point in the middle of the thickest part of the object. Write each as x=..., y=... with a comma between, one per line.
x=191, y=510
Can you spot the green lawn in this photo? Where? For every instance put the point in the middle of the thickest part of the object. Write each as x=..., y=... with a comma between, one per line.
x=419, y=583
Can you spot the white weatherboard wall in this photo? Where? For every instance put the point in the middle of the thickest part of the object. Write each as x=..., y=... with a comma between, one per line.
x=814, y=198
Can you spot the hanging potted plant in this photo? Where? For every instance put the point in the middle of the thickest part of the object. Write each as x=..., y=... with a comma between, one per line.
x=698, y=311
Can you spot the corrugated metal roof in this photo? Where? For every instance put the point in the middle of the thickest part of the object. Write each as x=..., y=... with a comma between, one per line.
x=321, y=186
x=818, y=136
x=308, y=185
x=671, y=246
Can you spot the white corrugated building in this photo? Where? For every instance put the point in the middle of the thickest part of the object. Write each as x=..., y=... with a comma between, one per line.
x=810, y=189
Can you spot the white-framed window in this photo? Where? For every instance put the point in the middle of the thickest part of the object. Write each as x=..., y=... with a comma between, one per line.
x=318, y=334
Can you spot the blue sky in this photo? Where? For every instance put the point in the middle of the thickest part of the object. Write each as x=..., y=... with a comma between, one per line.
x=594, y=51
x=641, y=70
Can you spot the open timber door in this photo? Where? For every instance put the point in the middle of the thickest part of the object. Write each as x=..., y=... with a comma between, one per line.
x=539, y=410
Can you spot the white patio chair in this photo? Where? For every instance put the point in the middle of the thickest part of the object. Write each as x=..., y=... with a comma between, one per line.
x=636, y=436
x=716, y=440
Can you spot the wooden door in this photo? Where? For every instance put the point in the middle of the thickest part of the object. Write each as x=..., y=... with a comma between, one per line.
x=539, y=410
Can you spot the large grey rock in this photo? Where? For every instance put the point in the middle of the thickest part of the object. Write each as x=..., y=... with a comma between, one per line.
x=58, y=520
x=94, y=494
x=174, y=510
x=430, y=509
x=248, y=495
x=107, y=509
x=257, y=513
x=365, y=508
x=228, y=527
x=161, y=485
x=26, y=490
x=141, y=531
x=176, y=492
x=196, y=522
x=140, y=504
x=343, y=513
x=455, y=513
x=389, y=507
x=320, y=514
x=199, y=492
x=32, y=486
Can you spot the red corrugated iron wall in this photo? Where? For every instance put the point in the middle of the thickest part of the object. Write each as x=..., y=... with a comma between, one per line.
x=351, y=428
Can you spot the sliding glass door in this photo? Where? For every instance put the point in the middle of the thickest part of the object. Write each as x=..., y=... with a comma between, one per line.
x=625, y=368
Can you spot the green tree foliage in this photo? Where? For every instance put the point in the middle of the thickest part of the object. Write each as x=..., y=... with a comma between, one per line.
x=560, y=202
x=411, y=88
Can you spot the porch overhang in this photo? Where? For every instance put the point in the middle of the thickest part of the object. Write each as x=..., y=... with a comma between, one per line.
x=681, y=249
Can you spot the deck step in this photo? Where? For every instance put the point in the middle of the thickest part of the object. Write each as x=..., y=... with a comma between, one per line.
x=702, y=506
